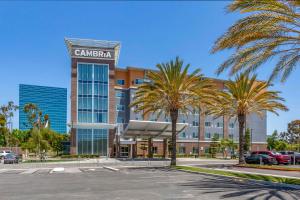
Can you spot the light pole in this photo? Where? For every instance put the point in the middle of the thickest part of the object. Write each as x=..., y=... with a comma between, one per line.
x=251, y=139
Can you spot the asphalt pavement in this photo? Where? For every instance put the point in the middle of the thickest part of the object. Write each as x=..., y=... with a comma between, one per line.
x=128, y=183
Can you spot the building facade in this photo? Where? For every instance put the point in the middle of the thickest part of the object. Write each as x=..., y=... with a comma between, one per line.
x=50, y=100
x=100, y=112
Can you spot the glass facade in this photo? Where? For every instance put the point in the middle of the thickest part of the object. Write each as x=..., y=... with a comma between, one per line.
x=92, y=107
x=50, y=100
x=92, y=141
x=92, y=93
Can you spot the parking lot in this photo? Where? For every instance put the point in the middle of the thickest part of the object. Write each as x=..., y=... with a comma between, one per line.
x=142, y=183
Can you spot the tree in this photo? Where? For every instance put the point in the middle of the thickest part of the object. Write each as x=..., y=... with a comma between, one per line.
x=224, y=146
x=169, y=90
x=280, y=145
x=3, y=130
x=247, y=140
x=35, y=116
x=227, y=145
x=269, y=30
x=214, y=145
x=294, y=132
x=232, y=146
x=286, y=136
x=243, y=96
x=6, y=115
x=271, y=140
x=7, y=111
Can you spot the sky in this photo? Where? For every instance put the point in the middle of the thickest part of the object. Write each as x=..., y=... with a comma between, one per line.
x=33, y=49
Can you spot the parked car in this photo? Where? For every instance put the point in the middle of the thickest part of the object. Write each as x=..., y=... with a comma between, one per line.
x=292, y=153
x=4, y=153
x=281, y=159
x=11, y=159
x=255, y=159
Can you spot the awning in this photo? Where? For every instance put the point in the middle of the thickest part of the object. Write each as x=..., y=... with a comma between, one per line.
x=153, y=129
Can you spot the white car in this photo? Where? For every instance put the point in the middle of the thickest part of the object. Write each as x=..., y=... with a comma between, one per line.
x=4, y=153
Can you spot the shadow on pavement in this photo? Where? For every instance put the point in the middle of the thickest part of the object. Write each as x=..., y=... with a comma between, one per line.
x=234, y=188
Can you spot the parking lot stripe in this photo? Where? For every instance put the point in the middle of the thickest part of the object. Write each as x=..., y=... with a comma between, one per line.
x=29, y=171
x=57, y=169
x=3, y=170
x=111, y=168
x=72, y=170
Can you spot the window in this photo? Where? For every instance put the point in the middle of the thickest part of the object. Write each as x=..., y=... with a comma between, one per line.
x=195, y=123
x=195, y=150
x=207, y=135
x=181, y=150
x=208, y=124
x=220, y=125
x=120, y=120
x=182, y=135
x=138, y=81
x=119, y=94
x=154, y=150
x=195, y=135
x=120, y=82
x=231, y=136
x=92, y=87
x=231, y=125
x=195, y=112
x=120, y=107
x=92, y=141
x=206, y=150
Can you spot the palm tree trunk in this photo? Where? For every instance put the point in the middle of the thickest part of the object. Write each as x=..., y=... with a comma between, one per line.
x=174, y=117
x=241, y=120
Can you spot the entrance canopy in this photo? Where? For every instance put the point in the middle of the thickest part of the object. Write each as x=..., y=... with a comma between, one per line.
x=152, y=129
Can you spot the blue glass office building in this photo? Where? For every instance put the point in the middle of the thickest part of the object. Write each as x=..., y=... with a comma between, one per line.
x=50, y=100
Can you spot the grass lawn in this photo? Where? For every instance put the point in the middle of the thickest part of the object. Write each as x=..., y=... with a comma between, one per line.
x=47, y=161
x=240, y=175
x=272, y=167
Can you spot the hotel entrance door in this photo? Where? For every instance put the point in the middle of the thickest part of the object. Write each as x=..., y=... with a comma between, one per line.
x=124, y=151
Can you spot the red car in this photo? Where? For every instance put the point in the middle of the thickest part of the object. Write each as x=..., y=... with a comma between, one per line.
x=281, y=159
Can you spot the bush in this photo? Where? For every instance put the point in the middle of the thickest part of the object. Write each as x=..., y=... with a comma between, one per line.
x=80, y=156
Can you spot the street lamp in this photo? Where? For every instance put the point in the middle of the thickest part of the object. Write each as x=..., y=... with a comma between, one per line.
x=251, y=139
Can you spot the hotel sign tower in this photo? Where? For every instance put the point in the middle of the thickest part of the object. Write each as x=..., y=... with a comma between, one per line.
x=92, y=123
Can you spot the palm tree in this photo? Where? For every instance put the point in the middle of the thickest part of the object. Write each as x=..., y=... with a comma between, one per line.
x=246, y=96
x=169, y=90
x=270, y=30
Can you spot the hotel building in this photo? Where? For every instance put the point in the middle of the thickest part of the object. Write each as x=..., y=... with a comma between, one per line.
x=102, y=122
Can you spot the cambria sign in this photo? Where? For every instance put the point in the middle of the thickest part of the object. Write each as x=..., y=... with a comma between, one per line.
x=92, y=53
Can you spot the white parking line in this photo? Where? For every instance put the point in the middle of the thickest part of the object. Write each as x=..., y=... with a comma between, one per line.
x=3, y=170
x=72, y=170
x=111, y=168
x=57, y=169
x=29, y=171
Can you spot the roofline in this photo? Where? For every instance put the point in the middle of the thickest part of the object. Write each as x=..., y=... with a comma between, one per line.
x=42, y=86
x=145, y=69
